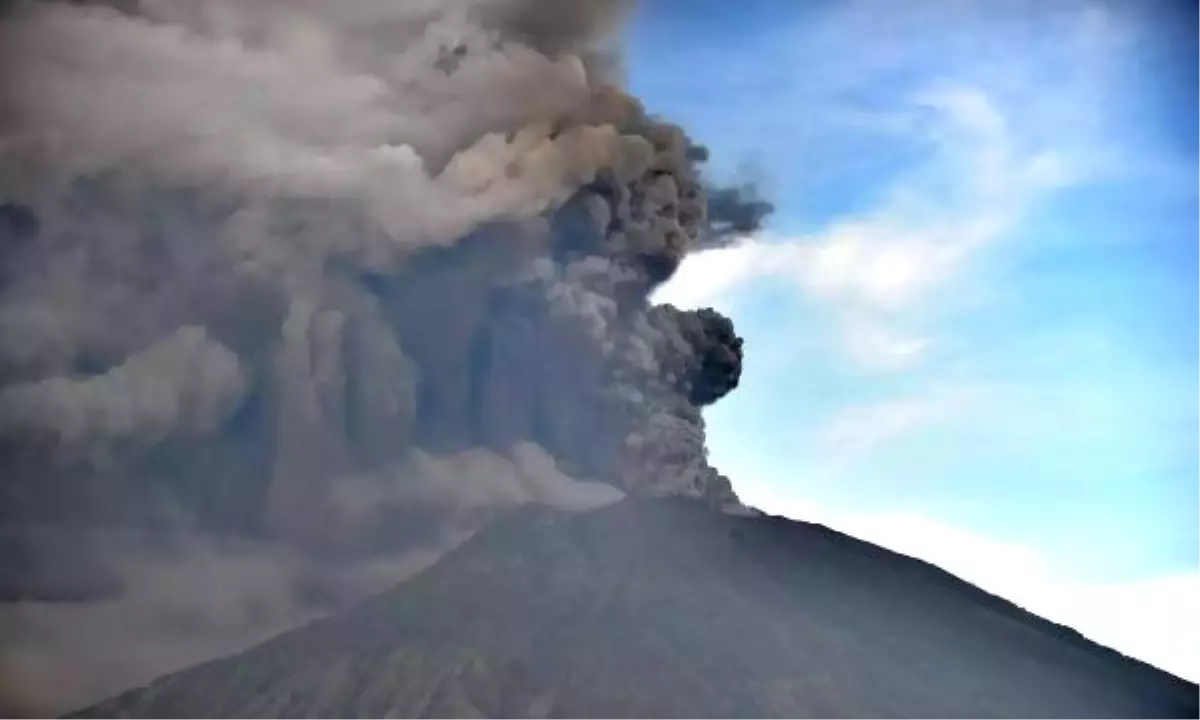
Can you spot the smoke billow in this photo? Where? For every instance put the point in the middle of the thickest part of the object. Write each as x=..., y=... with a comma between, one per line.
x=295, y=295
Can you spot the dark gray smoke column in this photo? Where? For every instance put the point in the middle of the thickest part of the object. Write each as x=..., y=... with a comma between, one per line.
x=296, y=294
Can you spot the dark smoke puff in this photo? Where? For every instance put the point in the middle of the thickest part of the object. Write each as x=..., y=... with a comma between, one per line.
x=703, y=354
x=733, y=212
x=582, y=225
x=727, y=211
x=663, y=364
x=645, y=223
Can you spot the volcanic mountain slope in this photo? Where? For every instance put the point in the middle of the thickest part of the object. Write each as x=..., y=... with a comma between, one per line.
x=666, y=608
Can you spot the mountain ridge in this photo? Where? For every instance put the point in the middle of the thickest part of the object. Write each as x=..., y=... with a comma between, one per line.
x=1059, y=630
x=666, y=608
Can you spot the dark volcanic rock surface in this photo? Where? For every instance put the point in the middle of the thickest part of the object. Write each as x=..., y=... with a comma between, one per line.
x=666, y=608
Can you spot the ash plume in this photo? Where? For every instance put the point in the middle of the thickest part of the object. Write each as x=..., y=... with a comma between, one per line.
x=295, y=295
x=735, y=211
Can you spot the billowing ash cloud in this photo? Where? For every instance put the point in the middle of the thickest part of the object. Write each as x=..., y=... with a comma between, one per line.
x=296, y=294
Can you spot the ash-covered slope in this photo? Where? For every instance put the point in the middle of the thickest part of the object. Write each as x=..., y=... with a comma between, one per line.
x=666, y=608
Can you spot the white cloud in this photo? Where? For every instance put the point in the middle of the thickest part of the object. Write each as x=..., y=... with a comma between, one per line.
x=998, y=138
x=879, y=268
x=858, y=429
x=705, y=277
x=1151, y=618
x=875, y=346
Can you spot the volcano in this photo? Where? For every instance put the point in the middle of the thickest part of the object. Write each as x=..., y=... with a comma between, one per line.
x=667, y=608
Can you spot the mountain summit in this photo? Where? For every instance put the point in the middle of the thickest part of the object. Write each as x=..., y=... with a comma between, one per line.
x=666, y=608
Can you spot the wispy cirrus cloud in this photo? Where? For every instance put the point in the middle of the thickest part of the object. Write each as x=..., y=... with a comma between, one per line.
x=999, y=111
x=860, y=429
x=880, y=271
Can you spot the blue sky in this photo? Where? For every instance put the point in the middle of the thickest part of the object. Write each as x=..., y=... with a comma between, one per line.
x=971, y=327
